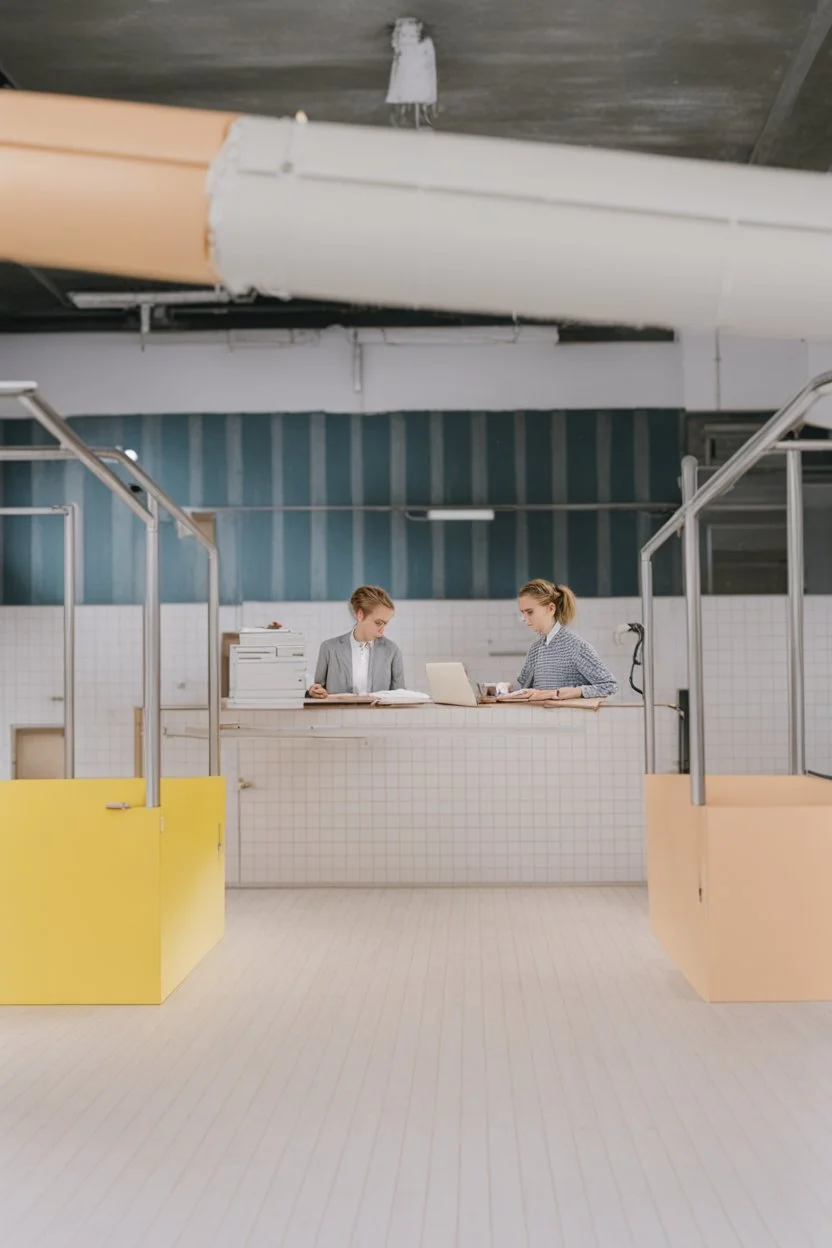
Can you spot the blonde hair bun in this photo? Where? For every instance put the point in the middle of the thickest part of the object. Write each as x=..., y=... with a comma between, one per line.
x=550, y=595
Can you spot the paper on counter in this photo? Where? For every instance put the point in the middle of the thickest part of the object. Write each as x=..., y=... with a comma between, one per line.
x=349, y=699
x=391, y=696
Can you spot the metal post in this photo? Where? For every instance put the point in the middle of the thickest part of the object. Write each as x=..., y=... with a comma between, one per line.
x=152, y=672
x=794, y=537
x=213, y=663
x=693, y=611
x=648, y=665
x=159, y=498
x=163, y=500
x=70, y=530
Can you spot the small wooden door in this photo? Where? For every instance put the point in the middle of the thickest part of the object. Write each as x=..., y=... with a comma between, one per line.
x=39, y=754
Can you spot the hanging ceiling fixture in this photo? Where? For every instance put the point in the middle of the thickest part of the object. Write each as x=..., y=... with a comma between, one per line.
x=412, y=93
x=460, y=513
x=87, y=299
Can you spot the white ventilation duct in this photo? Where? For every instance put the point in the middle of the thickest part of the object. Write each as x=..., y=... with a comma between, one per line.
x=483, y=225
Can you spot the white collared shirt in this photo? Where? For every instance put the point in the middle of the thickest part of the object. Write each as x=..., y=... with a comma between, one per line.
x=361, y=651
x=553, y=632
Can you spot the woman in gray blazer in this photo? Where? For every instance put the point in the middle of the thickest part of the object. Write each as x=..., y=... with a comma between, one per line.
x=364, y=660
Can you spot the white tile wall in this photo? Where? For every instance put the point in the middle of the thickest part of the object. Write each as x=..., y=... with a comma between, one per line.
x=31, y=673
x=744, y=653
x=108, y=686
x=818, y=643
x=488, y=636
x=745, y=667
x=434, y=795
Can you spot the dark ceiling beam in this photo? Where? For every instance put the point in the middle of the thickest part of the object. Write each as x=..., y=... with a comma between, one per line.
x=816, y=34
x=297, y=315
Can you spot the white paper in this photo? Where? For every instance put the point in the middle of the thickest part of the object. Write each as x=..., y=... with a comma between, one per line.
x=401, y=695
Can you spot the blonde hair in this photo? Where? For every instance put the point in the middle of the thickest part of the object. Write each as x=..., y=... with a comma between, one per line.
x=368, y=596
x=558, y=596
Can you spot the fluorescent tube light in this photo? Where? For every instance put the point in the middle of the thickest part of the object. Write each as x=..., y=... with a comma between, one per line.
x=460, y=513
x=93, y=299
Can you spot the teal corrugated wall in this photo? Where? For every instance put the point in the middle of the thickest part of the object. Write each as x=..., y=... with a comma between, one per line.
x=415, y=458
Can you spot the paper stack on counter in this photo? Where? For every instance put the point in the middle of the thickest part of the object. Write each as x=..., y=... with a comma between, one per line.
x=393, y=696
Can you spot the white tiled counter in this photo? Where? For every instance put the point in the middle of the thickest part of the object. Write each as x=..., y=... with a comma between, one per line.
x=433, y=795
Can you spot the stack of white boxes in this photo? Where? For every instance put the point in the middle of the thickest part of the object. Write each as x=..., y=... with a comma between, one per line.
x=268, y=669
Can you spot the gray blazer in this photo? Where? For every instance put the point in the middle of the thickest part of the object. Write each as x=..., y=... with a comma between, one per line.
x=334, y=670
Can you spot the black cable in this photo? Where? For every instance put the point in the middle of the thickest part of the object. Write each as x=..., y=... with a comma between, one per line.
x=638, y=629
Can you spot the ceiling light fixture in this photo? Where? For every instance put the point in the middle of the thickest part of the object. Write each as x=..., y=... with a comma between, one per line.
x=412, y=93
x=92, y=299
x=460, y=513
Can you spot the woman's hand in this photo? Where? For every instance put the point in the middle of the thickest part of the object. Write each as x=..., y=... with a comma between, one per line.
x=317, y=691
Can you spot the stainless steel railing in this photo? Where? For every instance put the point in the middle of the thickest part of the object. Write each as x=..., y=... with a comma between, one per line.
x=71, y=446
x=765, y=441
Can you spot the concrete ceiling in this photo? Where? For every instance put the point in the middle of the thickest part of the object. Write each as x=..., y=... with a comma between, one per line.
x=734, y=80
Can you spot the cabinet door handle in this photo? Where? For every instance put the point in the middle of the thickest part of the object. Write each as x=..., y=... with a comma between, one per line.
x=117, y=806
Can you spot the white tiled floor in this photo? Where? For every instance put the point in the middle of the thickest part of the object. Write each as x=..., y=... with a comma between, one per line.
x=368, y=1068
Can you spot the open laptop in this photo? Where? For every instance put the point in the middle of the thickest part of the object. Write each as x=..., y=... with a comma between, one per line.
x=449, y=684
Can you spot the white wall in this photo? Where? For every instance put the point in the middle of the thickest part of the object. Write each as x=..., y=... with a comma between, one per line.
x=401, y=370
x=331, y=371
x=745, y=698
x=745, y=666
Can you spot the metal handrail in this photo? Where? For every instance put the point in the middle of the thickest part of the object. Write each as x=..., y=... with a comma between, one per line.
x=25, y=392
x=765, y=441
x=761, y=443
x=69, y=511
x=183, y=518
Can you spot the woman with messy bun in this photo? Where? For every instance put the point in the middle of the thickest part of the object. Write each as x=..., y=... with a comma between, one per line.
x=362, y=660
x=560, y=664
